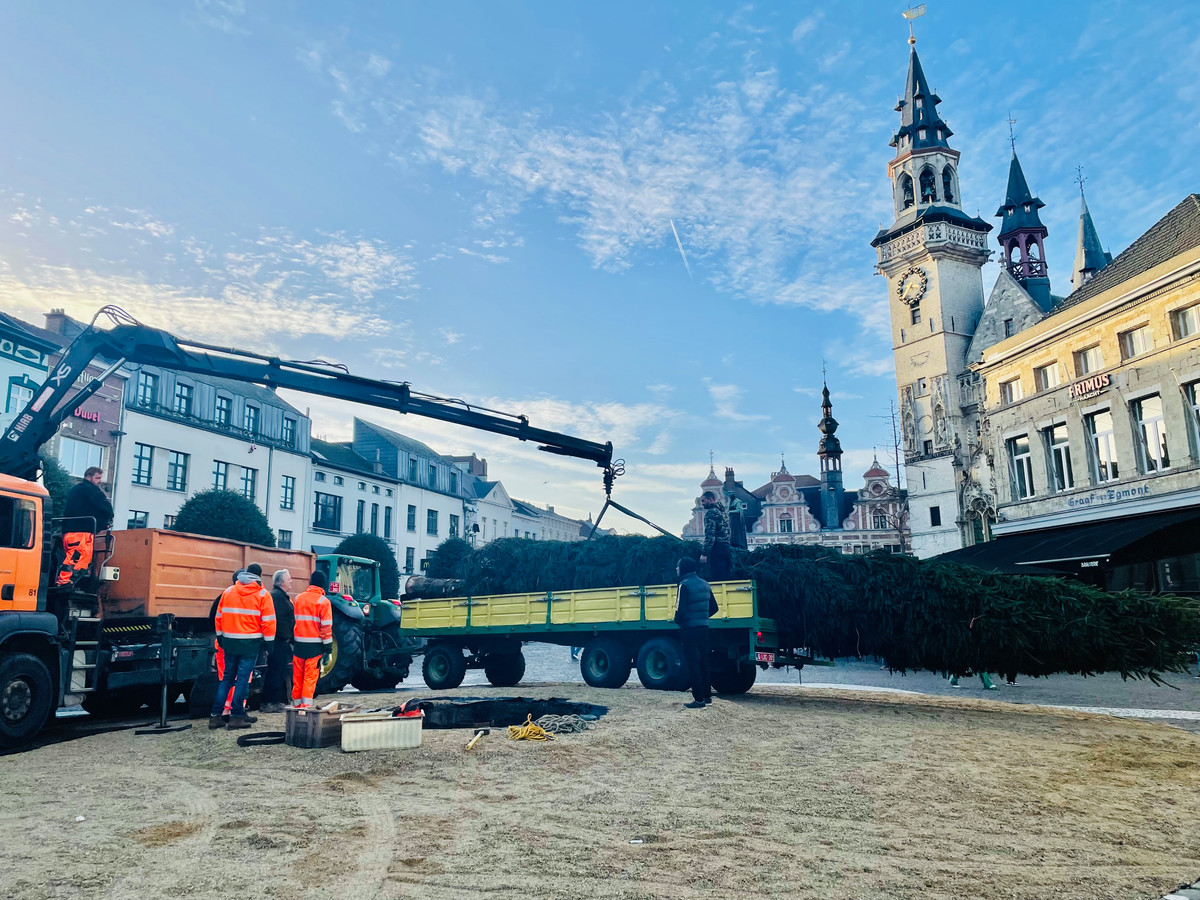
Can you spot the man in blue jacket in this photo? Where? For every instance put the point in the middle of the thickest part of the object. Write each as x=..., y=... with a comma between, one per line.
x=691, y=615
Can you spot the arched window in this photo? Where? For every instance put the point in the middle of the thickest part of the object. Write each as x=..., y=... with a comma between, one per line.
x=1031, y=248
x=1014, y=253
x=928, y=187
x=948, y=184
x=906, y=191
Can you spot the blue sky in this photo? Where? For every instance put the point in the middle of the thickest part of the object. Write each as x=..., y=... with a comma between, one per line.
x=479, y=198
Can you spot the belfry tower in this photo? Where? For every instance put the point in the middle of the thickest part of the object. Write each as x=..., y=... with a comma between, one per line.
x=1022, y=235
x=829, y=451
x=932, y=256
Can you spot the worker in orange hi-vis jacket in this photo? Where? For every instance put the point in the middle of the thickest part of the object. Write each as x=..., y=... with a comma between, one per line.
x=312, y=638
x=245, y=621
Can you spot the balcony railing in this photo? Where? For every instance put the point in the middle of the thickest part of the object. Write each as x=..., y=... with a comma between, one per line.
x=169, y=412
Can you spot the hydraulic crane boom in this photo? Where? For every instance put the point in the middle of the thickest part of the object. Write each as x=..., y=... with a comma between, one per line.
x=130, y=341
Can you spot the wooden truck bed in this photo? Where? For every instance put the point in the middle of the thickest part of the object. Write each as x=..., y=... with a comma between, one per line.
x=607, y=608
x=171, y=572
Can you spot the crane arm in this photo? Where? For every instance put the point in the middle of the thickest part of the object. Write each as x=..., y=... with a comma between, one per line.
x=136, y=343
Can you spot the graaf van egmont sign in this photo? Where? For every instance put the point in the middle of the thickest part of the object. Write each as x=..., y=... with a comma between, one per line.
x=1089, y=387
x=1112, y=495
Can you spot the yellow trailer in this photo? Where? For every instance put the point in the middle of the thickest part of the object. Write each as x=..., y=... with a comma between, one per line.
x=619, y=628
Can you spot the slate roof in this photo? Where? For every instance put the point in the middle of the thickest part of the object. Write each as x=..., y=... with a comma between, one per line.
x=49, y=339
x=342, y=456
x=1089, y=255
x=913, y=118
x=525, y=509
x=400, y=441
x=1016, y=197
x=1175, y=233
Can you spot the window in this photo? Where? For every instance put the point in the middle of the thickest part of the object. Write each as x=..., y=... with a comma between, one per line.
x=220, y=475
x=374, y=489
x=928, y=190
x=879, y=521
x=1046, y=377
x=319, y=476
x=922, y=387
x=915, y=315
x=183, y=399
x=177, y=470
x=1010, y=391
x=1020, y=467
x=284, y=541
x=1088, y=360
x=287, y=494
x=453, y=526
x=374, y=518
x=906, y=191
x=388, y=492
x=250, y=419
x=1135, y=342
x=431, y=525
x=387, y=523
x=143, y=463
x=1152, y=433
x=360, y=516
x=412, y=518
x=138, y=518
x=249, y=483
x=147, y=390
x=328, y=513
x=1185, y=322
x=1008, y=328
x=409, y=558
x=362, y=485
x=78, y=456
x=947, y=179
x=168, y=521
x=1192, y=393
x=928, y=447
x=289, y=431
x=338, y=480
x=1104, y=448
x=432, y=475
x=453, y=482
x=18, y=397
x=1058, y=458
x=785, y=524
x=224, y=410
x=935, y=516
x=412, y=470
x=17, y=523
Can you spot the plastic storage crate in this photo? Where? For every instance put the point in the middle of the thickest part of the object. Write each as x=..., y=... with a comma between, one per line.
x=312, y=728
x=380, y=731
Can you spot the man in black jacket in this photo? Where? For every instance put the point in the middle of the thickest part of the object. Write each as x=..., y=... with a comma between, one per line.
x=88, y=511
x=279, y=657
x=691, y=615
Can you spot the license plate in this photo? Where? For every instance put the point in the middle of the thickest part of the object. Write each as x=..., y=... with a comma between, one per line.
x=764, y=657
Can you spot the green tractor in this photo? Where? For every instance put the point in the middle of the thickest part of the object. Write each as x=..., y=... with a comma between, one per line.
x=369, y=651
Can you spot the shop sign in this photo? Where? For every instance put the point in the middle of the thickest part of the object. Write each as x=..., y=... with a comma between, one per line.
x=1089, y=387
x=88, y=415
x=1112, y=495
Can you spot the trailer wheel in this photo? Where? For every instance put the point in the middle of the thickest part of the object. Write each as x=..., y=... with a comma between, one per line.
x=444, y=667
x=734, y=680
x=345, y=659
x=26, y=699
x=660, y=665
x=606, y=662
x=504, y=669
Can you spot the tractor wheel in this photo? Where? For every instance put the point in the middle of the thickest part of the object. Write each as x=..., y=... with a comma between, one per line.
x=26, y=698
x=444, y=667
x=734, y=681
x=504, y=669
x=606, y=662
x=365, y=681
x=660, y=665
x=345, y=659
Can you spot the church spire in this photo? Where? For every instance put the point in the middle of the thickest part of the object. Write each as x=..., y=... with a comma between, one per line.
x=1022, y=234
x=1089, y=255
x=830, y=453
x=921, y=125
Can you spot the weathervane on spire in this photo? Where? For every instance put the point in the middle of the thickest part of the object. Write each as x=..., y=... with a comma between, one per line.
x=915, y=13
x=1079, y=179
x=1012, y=137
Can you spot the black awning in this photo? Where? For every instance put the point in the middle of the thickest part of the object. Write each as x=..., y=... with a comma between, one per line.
x=1059, y=549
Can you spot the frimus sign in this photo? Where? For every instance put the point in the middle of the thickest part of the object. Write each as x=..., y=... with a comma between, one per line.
x=1089, y=387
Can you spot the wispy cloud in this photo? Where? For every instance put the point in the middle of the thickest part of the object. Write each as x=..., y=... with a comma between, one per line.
x=725, y=399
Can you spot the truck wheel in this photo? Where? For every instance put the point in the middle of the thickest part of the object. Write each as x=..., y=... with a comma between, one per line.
x=606, y=663
x=734, y=681
x=345, y=659
x=26, y=698
x=504, y=669
x=115, y=704
x=660, y=665
x=444, y=667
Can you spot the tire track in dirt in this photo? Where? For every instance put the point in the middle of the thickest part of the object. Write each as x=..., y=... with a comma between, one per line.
x=377, y=849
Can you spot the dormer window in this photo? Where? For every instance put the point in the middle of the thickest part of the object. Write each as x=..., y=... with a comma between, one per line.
x=921, y=132
x=919, y=103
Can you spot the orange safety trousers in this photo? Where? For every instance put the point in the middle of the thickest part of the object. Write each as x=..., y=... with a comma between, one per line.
x=219, y=659
x=77, y=556
x=304, y=678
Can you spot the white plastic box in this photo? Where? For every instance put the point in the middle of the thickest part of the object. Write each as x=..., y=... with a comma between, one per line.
x=380, y=731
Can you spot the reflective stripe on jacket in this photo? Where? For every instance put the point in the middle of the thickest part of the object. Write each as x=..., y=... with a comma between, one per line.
x=245, y=618
x=313, y=634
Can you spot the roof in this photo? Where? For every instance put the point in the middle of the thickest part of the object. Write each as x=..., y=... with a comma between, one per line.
x=1175, y=233
x=1089, y=255
x=342, y=456
x=525, y=509
x=1020, y=208
x=399, y=441
x=49, y=339
x=932, y=212
x=244, y=388
x=914, y=117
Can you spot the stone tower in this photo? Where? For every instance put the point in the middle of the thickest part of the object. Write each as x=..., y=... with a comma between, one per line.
x=932, y=256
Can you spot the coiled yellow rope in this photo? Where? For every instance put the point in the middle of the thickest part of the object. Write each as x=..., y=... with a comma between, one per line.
x=528, y=731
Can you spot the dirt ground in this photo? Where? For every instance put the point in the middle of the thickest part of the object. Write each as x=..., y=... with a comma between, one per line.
x=784, y=792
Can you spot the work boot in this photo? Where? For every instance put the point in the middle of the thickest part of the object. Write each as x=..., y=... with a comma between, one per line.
x=236, y=722
x=216, y=721
x=695, y=704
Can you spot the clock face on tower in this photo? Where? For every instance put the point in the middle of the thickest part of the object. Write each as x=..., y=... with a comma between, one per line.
x=911, y=286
